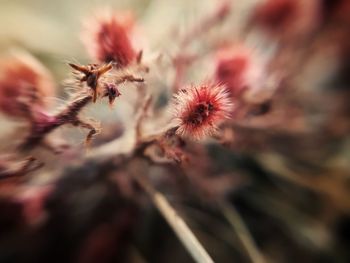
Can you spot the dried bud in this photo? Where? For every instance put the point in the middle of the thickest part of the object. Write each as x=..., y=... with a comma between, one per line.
x=199, y=110
x=111, y=92
x=91, y=75
x=106, y=39
x=24, y=85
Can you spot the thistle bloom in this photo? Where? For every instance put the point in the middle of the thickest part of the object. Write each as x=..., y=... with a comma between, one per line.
x=24, y=85
x=199, y=110
x=106, y=39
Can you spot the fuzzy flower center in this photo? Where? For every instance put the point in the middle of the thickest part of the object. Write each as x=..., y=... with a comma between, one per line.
x=200, y=113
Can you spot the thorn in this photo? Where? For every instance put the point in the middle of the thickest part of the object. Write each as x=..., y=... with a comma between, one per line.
x=139, y=57
x=104, y=69
x=94, y=96
x=79, y=68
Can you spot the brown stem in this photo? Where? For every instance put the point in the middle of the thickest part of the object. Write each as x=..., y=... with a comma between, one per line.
x=40, y=128
x=129, y=78
x=27, y=166
x=142, y=114
x=93, y=130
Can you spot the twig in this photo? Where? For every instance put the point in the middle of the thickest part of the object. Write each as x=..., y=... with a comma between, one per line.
x=237, y=223
x=182, y=61
x=93, y=130
x=206, y=24
x=142, y=114
x=179, y=226
x=129, y=78
x=27, y=166
x=43, y=127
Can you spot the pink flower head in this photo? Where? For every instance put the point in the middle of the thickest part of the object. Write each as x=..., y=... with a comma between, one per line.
x=199, y=110
x=106, y=38
x=24, y=84
x=239, y=68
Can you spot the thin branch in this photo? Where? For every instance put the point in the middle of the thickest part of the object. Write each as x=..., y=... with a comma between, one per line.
x=206, y=24
x=41, y=128
x=142, y=114
x=128, y=78
x=237, y=223
x=182, y=61
x=183, y=232
x=27, y=166
x=93, y=130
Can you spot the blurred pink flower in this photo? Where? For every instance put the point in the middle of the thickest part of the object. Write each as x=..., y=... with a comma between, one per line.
x=106, y=38
x=24, y=84
x=239, y=68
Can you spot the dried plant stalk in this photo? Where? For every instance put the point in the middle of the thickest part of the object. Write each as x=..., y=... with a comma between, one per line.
x=181, y=229
x=68, y=115
x=242, y=232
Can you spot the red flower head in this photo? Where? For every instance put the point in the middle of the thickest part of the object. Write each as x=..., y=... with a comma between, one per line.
x=24, y=84
x=239, y=68
x=199, y=110
x=106, y=38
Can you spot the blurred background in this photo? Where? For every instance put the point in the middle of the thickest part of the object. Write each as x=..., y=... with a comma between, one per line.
x=275, y=185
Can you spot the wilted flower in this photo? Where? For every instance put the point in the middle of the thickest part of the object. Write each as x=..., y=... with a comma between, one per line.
x=106, y=39
x=24, y=84
x=199, y=110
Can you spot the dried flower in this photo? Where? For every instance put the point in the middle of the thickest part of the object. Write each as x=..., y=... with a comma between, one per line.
x=91, y=75
x=199, y=110
x=106, y=39
x=111, y=92
x=25, y=85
